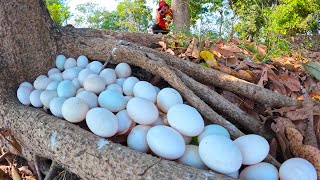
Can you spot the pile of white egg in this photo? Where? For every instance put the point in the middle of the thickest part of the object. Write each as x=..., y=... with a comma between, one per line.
x=112, y=102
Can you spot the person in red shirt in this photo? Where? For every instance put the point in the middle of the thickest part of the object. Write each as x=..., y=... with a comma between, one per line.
x=163, y=19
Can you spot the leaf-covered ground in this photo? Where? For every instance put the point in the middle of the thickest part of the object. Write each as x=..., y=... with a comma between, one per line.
x=294, y=73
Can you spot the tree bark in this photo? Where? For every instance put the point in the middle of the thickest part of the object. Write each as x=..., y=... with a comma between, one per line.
x=181, y=15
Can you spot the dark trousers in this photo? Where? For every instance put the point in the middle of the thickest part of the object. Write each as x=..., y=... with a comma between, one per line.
x=157, y=29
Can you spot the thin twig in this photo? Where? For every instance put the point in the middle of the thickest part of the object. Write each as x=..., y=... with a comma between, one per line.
x=54, y=171
x=36, y=164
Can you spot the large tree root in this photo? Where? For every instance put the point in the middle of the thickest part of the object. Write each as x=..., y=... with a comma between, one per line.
x=222, y=80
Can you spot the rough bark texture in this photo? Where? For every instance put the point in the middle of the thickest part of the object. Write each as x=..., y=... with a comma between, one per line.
x=181, y=14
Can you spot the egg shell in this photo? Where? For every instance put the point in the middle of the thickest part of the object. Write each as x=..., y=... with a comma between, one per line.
x=60, y=60
x=123, y=70
x=94, y=83
x=66, y=89
x=23, y=95
x=95, y=67
x=220, y=154
x=185, y=119
x=46, y=96
x=41, y=82
x=82, y=61
x=124, y=121
x=165, y=142
x=167, y=98
x=192, y=158
x=137, y=138
x=213, y=129
x=234, y=175
x=70, y=63
x=89, y=97
x=109, y=76
x=74, y=109
x=112, y=100
x=56, y=106
x=157, y=89
x=128, y=85
x=120, y=81
x=102, y=122
x=128, y=98
x=53, y=85
x=35, y=98
x=76, y=83
x=53, y=70
x=80, y=90
x=261, y=171
x=115, y=87
x=254, y=148
x=70, y=73
x=56, y=77
x=159, y=121
x=144, y=89
x=83, y=74
x=297, y=169
x=142, y=111
x=27, y=84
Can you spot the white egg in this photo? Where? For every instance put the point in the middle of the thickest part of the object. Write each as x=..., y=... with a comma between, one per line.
x=157, y=89
x=60, y=60
x=123, y=70
x=23, y=94
x=115, y=87
x=53, y=70
x=220, y=154
x=70, y=63
x=120, y=81
x=128, y=85
x=213, y=129
x=145, y=90
x=66, y=89
x=167, y=98
x=74, y=109
x=124, y=121
x=192, y=158
x=187, y=139
x=234, y=175
x=27, y=84
x=165, y=142
x=142, y=111
x=298, y=169
x=94, y=83
x=80, y=90
x=109, y=75
x=185, y=119
x=137, y=138
x=128, y=98
x=56, y=77
x=41, y=82
x=102, y=122
x=89, y=97
x=95, y=67
x=53, y=85
x=76, y=83
x=254, y=148
x=82, y=61
x=112, y=100
x=35, y=98
x=159, y=121
x=56, y=106
x=261, y=171
x=46, y=96
x=70, y=73
x=83, y=75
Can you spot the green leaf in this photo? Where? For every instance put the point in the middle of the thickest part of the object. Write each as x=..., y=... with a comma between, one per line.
x=194, y=141
x=208, y=56
x=313, y=69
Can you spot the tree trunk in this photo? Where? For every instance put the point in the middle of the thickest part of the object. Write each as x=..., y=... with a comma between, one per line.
x=221, y=22
x=181, y=15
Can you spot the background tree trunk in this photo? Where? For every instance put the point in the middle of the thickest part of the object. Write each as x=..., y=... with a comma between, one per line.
x=181, y=15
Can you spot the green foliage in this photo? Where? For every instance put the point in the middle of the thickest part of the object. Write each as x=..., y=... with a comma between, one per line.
x=59, y=12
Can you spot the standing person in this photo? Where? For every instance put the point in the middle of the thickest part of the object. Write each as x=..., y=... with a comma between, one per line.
x=163, y=19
